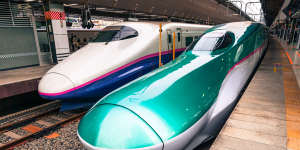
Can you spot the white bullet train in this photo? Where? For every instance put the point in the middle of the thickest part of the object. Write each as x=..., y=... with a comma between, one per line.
x=121, y=53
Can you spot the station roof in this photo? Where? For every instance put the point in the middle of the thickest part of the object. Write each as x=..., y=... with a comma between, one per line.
x=271, y=9
x=211, y=10
x=293, y=8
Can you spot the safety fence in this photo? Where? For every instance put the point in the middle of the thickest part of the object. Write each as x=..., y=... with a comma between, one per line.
x=17, y=40
x=15, y=15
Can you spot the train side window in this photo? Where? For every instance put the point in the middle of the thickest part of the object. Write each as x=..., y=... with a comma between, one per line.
x=188, y=41
x=169, y=38
x=178, y=36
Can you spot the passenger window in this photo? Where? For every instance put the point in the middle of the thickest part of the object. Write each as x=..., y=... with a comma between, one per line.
x=178, y=36
x=188, y=41
x=169, y=38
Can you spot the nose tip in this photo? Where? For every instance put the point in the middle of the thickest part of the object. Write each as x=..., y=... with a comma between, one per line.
x=55, y=83
x=113, y=127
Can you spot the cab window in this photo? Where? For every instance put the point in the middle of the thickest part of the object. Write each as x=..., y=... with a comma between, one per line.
x=116, y=33
x=212, y=41
x=227, y=40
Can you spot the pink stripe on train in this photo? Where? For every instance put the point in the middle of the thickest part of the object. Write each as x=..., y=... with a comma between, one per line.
x=114, y=71
x=245, y=58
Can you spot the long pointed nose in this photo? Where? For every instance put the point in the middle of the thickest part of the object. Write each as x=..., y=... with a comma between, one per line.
x=114, y=127
x=54, y=84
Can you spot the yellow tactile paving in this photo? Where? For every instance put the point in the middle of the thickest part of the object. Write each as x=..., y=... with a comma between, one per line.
x=292, y=111
x=293, y=144
x=268, y=114
x=292, y=105
x=258, y=122
x=290, y=59
x=293, y=133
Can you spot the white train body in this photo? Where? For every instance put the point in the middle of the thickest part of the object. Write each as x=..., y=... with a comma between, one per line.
x=114, y=60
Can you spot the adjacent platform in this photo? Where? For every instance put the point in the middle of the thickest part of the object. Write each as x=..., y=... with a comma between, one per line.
x=268, y=114
x=19, y=81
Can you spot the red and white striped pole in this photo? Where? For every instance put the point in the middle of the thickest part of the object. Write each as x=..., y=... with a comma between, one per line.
x=56, y=17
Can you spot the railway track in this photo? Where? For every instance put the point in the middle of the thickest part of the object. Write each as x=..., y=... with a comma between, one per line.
x=18, y=127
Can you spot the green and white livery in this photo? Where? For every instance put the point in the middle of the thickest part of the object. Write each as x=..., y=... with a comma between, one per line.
x=185, y=102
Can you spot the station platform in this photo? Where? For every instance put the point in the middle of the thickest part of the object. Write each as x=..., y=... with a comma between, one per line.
x=19, y=81
x=267, y=117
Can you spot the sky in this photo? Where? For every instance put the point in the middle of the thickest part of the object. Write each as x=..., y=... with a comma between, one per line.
x=253, y=9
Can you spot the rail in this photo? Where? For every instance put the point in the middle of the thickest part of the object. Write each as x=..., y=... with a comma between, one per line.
x=21, y=126
x=28, y=114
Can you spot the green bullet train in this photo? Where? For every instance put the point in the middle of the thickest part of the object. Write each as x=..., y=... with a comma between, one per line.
x=183, y=103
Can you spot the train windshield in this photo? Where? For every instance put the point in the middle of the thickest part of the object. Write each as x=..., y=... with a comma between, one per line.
x=116, y=33
x=211, y=41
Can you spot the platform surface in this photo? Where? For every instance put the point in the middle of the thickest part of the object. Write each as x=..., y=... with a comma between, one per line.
x=19, y=81
x=267, y=117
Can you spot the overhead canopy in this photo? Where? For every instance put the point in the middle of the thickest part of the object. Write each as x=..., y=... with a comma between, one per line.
x=292, y=8
x=271, y=9
x=188, y=9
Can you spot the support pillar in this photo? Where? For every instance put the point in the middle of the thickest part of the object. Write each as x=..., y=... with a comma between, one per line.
x=57, y=31
x=298, y=43
x=285, y=34
x=41, y=62
x=282, y=34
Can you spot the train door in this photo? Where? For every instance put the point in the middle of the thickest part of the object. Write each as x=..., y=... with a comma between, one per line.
x=169, y=44
x=169, y=40
x=179, y=41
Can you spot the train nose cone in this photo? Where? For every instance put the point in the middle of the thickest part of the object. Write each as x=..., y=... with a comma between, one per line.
x=53, y=84
x=114, y=127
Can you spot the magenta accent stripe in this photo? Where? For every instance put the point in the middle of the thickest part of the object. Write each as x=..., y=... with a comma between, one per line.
x=245, y=58
x=114, y=71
